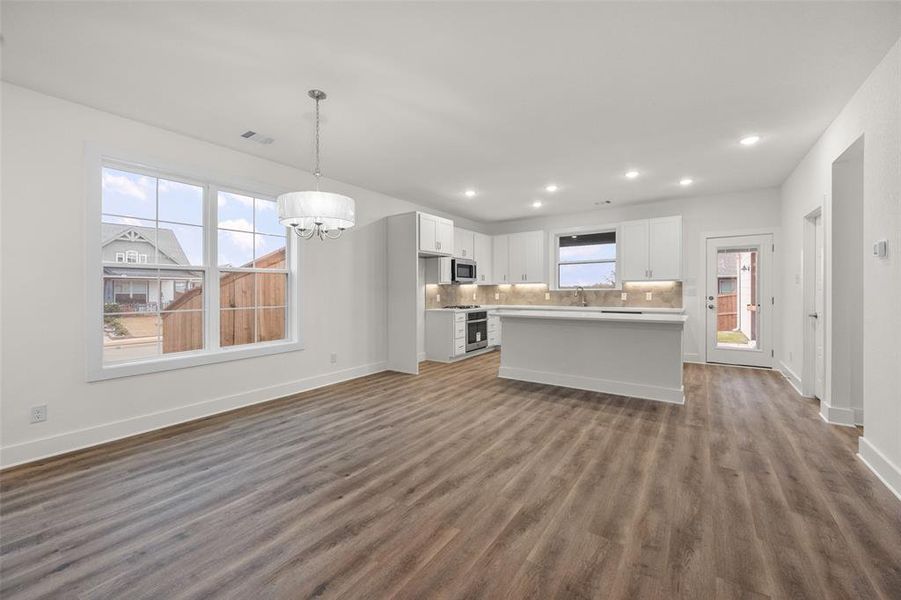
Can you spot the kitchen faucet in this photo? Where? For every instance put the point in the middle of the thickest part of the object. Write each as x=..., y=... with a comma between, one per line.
x=580, y=291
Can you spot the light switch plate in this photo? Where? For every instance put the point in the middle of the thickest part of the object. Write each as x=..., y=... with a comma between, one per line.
x=547, y=295
x=624, y=296
x=437, y=297
x=649, y=296
x=497, y=296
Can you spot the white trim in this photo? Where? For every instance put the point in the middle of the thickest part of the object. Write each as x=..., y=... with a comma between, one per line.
x=595, y=384
x=887, y=472
x=108, y=432
x=858, y=416
x=836, y=415
x=95, y=159
x=792, y=378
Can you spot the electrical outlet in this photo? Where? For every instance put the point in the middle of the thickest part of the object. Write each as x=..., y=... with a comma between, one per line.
x=437, y=297
x=497, y=296
x=39, y=413
x=334, y=357
x=624, y=296
x=547, y=295
x=649, y=296
x=473, y=295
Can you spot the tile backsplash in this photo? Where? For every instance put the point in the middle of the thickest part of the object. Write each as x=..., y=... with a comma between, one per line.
x=666, y=294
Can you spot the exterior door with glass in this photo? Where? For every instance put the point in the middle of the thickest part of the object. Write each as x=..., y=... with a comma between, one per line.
x=738, y=303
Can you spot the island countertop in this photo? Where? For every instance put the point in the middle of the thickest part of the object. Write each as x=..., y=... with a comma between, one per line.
x=594, y=315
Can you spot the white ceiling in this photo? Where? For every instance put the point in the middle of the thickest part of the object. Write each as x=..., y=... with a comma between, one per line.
x=428, y=99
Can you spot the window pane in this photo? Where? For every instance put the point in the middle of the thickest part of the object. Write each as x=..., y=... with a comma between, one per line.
x=235, y=249
x=235, y=212
x=181, y=331
x=270, y=324
x=271, y=289
x=180, y=244
x=236, y=290
x=270, y=252
x=588, y=246
x=590, y=275
x=124, y=238
x=130, y=336
x=128, y=194
x=181, y=290
x=588, y=252
x=180, y=202
x=266, y=212
x=236, y=327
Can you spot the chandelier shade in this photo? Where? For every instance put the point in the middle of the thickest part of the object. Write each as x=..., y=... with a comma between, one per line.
x=306, y=211
x=315, y=213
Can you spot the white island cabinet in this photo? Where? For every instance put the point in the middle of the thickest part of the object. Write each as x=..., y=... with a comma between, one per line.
x=628, y=354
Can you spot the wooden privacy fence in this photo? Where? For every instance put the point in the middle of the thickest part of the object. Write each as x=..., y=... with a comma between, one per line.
x=252, y=309
x=726, y=312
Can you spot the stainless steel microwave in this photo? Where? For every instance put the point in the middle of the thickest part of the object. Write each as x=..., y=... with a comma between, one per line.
x=463, y=271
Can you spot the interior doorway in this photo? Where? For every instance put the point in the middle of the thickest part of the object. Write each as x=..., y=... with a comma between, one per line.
x=738, y=301
x=814, y=373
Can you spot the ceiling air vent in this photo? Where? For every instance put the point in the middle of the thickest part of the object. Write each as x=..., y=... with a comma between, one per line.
x=257, y=137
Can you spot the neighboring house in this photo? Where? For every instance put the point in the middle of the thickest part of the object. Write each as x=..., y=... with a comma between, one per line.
x=137, y=289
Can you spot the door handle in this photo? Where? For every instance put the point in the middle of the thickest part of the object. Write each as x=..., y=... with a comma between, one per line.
x=814, y=315
x=710, y=297
x=711, y=306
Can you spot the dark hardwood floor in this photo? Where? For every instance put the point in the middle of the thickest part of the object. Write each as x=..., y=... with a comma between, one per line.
x=456, y=484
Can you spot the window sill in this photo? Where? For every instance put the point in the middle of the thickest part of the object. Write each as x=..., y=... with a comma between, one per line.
x=184, y=361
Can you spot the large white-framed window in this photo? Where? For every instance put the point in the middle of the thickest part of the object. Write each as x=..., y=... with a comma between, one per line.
x=586, y=259
x=191, y=271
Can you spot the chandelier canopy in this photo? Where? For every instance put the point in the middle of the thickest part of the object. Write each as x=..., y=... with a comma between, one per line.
x=315, y=213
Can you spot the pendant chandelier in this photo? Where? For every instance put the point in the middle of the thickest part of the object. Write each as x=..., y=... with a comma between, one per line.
x=314, y=213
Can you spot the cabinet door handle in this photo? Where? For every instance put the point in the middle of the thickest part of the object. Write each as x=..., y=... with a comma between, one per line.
x=651, y=273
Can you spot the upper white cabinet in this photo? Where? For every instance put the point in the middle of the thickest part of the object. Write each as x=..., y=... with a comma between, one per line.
x=500, y=264
x=526, y=257
x=464, y=243
x=482, y=253
x=436, y=235
x=665, y=248
x=651, y=249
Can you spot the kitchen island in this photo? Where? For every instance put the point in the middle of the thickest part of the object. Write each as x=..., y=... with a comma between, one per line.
x=624, y=353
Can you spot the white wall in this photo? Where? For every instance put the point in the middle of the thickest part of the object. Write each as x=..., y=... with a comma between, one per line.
x=343, y=287
x=753, y=211
x=875, y=113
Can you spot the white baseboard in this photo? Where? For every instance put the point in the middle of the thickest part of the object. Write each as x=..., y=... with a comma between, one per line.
x=692, y=357
x=85, y=438
x=887, y=472
x=593, y=384
x=858, y=416
x=835, y=415
x=791, y=377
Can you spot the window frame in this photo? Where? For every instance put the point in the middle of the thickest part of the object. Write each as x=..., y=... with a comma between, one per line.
x=96, y=159
x=555, y=262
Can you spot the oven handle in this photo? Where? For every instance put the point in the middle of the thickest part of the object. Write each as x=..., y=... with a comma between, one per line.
x=478, y=321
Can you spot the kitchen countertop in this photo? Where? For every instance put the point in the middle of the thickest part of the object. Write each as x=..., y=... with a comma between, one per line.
x=595, y=315
x=542, y=307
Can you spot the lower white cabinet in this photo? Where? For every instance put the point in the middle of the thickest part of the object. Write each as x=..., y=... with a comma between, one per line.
x=494, y=330
x=445, y=334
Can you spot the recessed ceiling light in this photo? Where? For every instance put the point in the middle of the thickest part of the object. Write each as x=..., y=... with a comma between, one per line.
x=551, y=187
x=536, y=204
x=469, y=193
x=632, y=174
x=686, y=181
x=750, y=140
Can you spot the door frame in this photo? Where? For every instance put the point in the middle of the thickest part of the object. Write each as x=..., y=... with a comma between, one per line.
x=769, y=287
x=808, y=304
